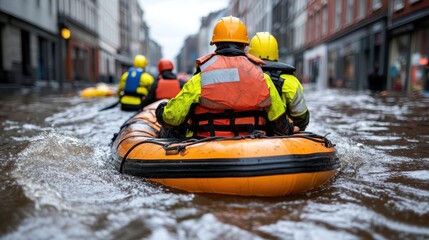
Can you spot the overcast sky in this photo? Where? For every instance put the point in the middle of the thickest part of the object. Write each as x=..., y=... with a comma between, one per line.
x=171, y=21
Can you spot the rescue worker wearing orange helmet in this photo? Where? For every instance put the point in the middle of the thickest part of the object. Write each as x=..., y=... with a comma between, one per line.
x=264, y=46
x=134, y=85
x=166, y=86
x=229, y=95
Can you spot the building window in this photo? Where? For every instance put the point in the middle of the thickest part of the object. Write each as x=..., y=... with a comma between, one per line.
x=376, y=4
x=362, y=8
x=316, y=25
x=338, y=8
x=420, y=61
x=398, y=68
x=349, y=12
x=398, y=5
x=310, y=28
x=324, y=20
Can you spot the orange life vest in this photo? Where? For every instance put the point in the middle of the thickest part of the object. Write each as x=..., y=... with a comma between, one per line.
x=234, y=94
x=167, y=88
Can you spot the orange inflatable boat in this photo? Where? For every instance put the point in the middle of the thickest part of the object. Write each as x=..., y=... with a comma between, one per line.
x=253, y=165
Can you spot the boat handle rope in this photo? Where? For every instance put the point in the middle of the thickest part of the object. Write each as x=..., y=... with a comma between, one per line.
x=174, y=150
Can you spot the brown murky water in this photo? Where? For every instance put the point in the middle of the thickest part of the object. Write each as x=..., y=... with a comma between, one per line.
x=57, y=182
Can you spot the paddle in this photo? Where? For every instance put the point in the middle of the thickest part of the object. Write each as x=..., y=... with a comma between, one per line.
x=110, y=106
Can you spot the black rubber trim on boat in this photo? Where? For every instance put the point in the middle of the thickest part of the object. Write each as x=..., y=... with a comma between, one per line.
x=238, y=167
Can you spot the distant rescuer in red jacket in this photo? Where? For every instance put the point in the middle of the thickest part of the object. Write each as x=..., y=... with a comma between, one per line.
x=229, y=95
x=166, y=86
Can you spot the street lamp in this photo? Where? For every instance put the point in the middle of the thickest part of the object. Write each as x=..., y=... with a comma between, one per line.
x=65, y=33
x=63, y=39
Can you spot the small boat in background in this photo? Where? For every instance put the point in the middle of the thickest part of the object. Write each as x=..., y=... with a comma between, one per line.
x=100, y=90
x=253, y=165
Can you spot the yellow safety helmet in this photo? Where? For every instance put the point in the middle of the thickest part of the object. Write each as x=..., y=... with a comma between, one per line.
x=140, y=61
x=230, y=29
x=264, y=46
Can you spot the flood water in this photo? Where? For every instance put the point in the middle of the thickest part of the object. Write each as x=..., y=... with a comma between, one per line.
x=57, y=180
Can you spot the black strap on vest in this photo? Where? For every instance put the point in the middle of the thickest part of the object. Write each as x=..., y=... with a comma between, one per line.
x=275, y=69
x=135, y=94
x=232, y=127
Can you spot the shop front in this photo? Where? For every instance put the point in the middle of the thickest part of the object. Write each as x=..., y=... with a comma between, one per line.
x=353, y=57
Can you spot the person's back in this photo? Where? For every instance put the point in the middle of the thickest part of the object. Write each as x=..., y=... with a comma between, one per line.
x=134, y=85
x=230, y=81
x=166, y=85
x=229, y=94
x=264, y=46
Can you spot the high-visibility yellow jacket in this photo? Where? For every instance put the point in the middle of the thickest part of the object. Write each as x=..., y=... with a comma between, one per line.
x=146, y=81
x=293, y=96
x=134, y=98
x=291, y=91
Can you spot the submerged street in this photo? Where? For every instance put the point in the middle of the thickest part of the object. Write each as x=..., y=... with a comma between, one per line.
x=57, y=180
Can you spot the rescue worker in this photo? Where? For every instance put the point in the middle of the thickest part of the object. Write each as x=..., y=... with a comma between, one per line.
x=166, y=86
x=229, y=95
x=134, y=85
x=264, y=46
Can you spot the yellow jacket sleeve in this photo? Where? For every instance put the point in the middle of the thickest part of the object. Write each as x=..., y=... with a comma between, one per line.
x=293, y=95
x=277, y=107
x=146, y=81
x=122, y=82
x=177, y=108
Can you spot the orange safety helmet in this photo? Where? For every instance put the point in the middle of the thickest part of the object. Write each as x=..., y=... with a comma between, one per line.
x=230, y=29
x=165, y=64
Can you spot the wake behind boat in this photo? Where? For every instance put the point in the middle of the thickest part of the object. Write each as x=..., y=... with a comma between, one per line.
x=253, y=165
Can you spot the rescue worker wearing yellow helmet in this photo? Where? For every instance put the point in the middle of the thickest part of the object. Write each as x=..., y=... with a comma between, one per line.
x=229, y=95
x=134, y=85
x=264, y=46
x=166, y=86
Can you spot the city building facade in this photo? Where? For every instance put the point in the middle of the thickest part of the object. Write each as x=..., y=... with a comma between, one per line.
x=355, y=40
x=79, y=49
x=108, y=42
x=71, y=42
x=408, y=65
x=188, y=55
x=28, y=42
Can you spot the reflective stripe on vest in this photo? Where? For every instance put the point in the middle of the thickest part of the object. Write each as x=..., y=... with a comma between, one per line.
x=220, y=76
x=167, y=88
x=133, y=80
x=233, y=82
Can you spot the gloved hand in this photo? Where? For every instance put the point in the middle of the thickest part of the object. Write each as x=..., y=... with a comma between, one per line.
x=281, y=126
x=158, y=113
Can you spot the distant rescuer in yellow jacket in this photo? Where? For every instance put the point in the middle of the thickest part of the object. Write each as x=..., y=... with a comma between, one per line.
x=229, y=95
x=134, y=85
x=264, y=46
